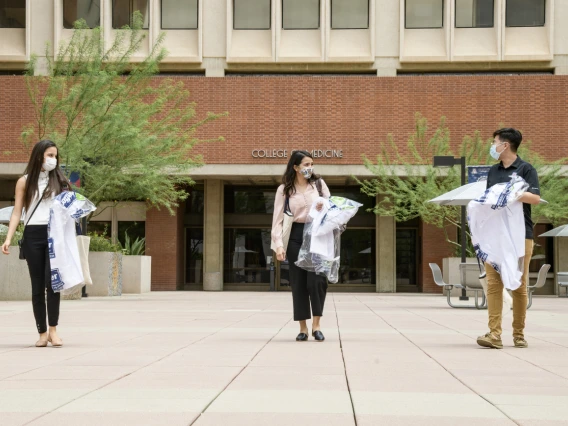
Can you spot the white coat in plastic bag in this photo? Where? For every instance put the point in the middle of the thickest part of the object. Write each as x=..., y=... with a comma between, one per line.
x=321, y=245
x=64, y=258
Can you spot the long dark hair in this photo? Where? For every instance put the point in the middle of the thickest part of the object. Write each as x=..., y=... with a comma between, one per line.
x=289, y=176
x=57, y=182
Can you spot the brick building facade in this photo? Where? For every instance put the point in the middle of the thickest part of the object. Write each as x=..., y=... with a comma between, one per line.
x=348, y=114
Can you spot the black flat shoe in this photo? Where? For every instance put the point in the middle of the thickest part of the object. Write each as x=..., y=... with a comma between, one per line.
x=302, y=337
x=318, y=335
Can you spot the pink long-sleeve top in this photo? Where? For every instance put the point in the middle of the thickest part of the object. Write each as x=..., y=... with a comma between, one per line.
x=300, y=205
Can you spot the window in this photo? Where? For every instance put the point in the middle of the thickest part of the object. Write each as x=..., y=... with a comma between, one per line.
x=100, y=228
x=179, y=14
x=358, y=265
x=89, y=10
x=474, y=13
x=349, y=14
x=300, y=14
x=246, y=256
x=12, y=13
x=251, y=14
x=134, y=230
x=424, y=14
x=525, y=13
x=193, y=223
x=249, y=200
x=122, y=11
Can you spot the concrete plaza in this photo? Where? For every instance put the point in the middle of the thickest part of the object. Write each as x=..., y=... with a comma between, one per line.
x=193, y=358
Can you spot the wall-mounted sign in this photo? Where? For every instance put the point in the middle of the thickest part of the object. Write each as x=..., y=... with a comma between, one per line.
x=477, y=173
x=284, y=153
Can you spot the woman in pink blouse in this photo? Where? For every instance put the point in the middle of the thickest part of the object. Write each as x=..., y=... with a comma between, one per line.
x=300, y=188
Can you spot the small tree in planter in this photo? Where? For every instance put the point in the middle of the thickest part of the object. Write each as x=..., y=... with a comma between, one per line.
x=128, y=134
x=406, y=195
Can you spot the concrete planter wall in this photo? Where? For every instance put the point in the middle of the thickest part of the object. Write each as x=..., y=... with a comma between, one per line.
x=136, y=274
x=451, y=272
x=15, y=281
x=106, y=273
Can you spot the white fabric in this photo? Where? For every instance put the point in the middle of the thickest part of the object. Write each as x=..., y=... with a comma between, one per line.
x=41, y=215
x=320, y=251
x=322, y=242
x=497, y=226
x=83, y=243
x=66, y=269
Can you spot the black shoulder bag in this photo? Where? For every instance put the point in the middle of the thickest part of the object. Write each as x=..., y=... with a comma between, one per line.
x=21, y=241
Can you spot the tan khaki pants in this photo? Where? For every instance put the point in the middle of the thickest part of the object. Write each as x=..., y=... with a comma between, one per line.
x=520, y=299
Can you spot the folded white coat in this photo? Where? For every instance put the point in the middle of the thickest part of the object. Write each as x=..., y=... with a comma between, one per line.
x=497, y=226
x=320, y=251
x=66, y=269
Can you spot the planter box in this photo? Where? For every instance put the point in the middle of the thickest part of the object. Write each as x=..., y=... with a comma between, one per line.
x=106, y=273
x=136, y=274
x=451, y=272
x=15, y=283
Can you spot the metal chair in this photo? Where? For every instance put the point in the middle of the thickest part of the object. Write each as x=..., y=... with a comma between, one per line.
x=562, y=282
x=439, y=280
x=540, y=281
x=469, y=277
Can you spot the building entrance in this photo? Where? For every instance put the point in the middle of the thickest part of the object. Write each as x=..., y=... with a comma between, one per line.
x=249, y=263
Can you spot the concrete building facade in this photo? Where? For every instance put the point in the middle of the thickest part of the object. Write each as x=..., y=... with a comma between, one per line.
x=331, y=76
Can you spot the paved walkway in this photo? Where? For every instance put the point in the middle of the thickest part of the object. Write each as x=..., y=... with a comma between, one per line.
x=209, y=359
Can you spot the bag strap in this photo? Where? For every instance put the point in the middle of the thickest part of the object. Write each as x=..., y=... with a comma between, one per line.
x=319, y=187
x=36, y=206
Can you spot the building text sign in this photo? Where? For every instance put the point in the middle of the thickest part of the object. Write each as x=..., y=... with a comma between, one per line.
x=283, y=153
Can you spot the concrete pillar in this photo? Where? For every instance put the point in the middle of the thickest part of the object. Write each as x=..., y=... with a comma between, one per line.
x=386, y=254
x=213, y=236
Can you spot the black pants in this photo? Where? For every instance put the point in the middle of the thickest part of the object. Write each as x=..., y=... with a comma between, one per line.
x=37, y=256
x=307, y=287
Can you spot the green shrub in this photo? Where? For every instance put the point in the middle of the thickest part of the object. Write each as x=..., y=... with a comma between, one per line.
x=17, y=235
x=136, y=248
x=99, y=242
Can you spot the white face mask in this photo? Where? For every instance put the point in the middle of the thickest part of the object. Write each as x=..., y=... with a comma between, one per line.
x=50, y=164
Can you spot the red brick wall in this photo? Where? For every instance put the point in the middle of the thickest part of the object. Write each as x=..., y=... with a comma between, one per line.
x=434, y=249
x=164, y=242
x=349, y=113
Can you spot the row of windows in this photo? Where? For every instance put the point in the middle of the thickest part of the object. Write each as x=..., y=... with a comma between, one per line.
x=296, y=14
x=474, y=13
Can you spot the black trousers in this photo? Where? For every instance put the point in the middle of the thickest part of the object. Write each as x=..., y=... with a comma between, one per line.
x=37, y=256
x=307, y=287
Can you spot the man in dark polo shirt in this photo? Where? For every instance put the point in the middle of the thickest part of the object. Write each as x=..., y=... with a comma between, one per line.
x=504, y=149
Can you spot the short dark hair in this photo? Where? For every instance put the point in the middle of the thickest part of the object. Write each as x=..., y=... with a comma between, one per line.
x=508, y=134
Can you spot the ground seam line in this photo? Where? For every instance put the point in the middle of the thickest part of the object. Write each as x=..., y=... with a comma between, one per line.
x=504, y=352
x=437, y=362
x=239, y=373
x=343, y=359
x=132, y=372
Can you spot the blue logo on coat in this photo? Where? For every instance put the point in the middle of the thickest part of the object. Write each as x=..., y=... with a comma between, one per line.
x=79, y=214
x=67, y=199
x=56, y=281
x=51, y=248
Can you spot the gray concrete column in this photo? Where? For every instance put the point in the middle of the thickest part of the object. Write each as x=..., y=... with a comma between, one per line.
x=213, y=236
x=386, y=254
